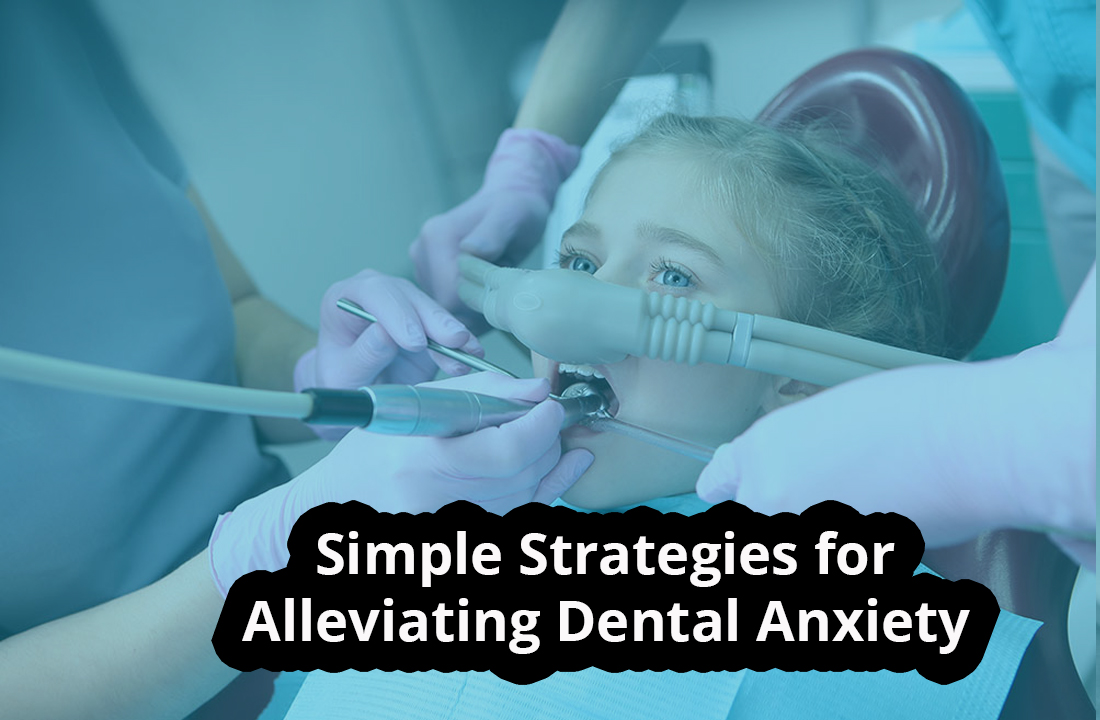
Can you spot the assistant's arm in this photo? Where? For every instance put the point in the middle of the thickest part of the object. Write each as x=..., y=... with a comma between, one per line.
x=594, y=48
x=144, y=655
x=959, y=449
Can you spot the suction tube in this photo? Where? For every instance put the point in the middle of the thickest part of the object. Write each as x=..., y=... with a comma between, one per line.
x=388, y=409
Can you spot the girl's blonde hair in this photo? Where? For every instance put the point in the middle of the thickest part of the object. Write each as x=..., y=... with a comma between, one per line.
x=844, y=246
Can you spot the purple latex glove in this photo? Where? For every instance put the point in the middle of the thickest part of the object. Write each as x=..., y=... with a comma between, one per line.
x=959, y=449
x=503, y=220
x=498, y=468
x=352, y=352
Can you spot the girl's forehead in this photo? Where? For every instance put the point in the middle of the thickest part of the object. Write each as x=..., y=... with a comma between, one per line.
x=658, y=170
x=640, y=192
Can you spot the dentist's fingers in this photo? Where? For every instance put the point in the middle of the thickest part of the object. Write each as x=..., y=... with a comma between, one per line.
x=477, y=271
x=409, y=316
x=569, y=469
x=721, y=477
x=492, y=235
x=510, y=489
x=440, y=325
x=505, y=451
x=373, y=351
x=491, y=383
x=388, y=300
x=434, y=253
x=452, y=367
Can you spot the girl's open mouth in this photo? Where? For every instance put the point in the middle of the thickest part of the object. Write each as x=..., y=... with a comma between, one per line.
x=567, y=375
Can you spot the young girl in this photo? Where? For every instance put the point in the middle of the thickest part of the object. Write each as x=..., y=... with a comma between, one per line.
x=747, y=218
x=752, y=219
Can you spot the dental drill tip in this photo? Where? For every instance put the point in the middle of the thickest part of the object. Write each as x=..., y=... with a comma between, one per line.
x=581, y=402
x=579, y=390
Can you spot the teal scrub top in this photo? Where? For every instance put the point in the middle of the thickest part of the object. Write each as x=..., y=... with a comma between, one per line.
x=103, y=260
x=1050, y=50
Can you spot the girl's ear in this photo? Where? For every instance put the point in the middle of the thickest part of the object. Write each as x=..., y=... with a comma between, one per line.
x=784, y=391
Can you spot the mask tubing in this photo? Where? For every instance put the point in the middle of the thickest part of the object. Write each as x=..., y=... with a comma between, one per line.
x=867, y=352
x=805, y=365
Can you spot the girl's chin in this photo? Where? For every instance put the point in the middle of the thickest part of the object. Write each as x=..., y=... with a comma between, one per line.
x=625, y=471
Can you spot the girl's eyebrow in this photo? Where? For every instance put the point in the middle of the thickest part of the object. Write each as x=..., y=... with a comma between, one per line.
x=582, y=228
x=652, y=232
x=672, y=236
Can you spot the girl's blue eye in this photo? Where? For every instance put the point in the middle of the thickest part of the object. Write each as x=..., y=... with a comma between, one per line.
x=581, y=264
x=674, y=278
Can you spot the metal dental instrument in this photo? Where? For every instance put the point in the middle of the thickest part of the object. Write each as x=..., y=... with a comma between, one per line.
x=471, y=361
x=602, y=422
x=541, y=308
x=589, y=412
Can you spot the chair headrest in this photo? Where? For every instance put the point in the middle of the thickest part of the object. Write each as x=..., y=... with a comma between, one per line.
x=900, y=113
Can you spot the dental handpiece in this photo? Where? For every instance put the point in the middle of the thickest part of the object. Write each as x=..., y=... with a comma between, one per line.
x=437, y=412
x=574, y=318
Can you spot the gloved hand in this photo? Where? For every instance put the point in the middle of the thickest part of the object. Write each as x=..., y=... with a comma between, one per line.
x=503, y=220
x=958, y=449
x=497, y=468
x=351, y=352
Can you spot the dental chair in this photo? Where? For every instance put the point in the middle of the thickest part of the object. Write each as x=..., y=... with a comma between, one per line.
x=907, y=118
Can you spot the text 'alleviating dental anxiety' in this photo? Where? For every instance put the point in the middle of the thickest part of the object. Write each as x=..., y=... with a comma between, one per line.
x=547, y=589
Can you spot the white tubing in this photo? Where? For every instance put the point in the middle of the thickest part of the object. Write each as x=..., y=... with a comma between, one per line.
x=72, y=375
x=842, y=346
x=805, y=365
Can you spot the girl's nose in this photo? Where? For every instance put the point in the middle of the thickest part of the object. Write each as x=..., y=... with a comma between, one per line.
x=616, y=273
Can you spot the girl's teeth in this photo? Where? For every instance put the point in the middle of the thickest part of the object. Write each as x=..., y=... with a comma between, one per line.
x=582, y=370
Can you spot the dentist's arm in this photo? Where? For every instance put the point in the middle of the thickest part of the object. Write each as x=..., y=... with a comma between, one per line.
x=592, y=51
x=276, y=352
x=498, y=468
x=148, y=654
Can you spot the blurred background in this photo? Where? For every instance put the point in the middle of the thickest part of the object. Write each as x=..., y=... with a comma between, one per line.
x=323, y=134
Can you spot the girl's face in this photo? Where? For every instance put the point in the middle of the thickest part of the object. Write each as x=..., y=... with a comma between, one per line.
x=648, y=226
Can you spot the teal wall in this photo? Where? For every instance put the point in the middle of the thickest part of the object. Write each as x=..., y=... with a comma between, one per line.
x=1031, y=306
